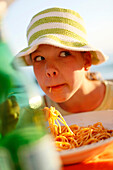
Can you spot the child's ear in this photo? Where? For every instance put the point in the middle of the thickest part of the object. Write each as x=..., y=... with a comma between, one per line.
x=28, y=60
x=87, y=60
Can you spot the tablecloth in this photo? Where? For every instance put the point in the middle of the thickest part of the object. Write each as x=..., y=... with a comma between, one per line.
x=103, y=161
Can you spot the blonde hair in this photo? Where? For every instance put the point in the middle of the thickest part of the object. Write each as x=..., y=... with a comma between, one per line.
x=94, y=76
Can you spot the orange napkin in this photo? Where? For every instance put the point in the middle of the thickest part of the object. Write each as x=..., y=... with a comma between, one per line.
x=103, y=161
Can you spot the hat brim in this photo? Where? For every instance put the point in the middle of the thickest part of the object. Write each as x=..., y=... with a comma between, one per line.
x=23, y=57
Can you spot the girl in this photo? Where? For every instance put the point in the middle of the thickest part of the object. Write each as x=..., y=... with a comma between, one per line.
x=61, y=56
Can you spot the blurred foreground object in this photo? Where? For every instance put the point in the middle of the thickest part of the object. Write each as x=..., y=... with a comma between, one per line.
x=9, y=114
x=12, y=87
x=10, y=82
x=5, y=160
x=31, y=147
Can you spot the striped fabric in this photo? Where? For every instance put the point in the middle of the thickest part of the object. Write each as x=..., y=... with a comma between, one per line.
x=60, y=27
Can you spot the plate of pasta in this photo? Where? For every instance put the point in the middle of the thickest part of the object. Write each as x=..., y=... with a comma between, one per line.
x=79, y=137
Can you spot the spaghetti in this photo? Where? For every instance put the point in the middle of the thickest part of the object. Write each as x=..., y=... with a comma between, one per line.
x=73, y=136
x=50, y=90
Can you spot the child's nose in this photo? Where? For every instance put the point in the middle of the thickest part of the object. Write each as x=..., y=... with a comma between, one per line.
x=51, y=72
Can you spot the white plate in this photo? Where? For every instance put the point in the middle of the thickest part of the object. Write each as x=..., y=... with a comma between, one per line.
x=82, y=153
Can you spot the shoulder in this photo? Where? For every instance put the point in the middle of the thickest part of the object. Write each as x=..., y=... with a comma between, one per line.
x=109, y=84
x=109, y=88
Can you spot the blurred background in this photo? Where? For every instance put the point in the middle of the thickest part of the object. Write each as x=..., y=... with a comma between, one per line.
x=97, y=14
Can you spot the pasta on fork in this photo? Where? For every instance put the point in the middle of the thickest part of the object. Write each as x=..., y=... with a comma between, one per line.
x=74, y=136
x=54, y=118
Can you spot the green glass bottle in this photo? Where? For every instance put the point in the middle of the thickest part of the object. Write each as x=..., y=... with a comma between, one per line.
x=32, y=147
x=5, y=160
x=13, y=93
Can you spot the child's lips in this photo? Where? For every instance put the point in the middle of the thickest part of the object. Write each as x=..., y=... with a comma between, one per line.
x=56, y=87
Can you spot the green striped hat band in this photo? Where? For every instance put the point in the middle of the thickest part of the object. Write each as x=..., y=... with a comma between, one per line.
x=60, y=27
x=57, y=21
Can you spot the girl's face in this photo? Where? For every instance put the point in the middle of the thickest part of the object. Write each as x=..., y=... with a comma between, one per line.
x=59, y=72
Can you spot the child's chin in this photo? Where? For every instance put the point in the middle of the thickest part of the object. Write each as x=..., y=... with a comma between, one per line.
x=59, y=99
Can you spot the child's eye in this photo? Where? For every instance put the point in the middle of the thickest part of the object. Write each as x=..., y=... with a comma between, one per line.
x=65, y=53
x=38, y=58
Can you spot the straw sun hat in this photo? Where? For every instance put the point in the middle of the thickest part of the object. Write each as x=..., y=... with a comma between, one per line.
x=60, y=27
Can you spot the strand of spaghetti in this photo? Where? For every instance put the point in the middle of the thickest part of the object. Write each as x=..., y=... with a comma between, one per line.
x=53, y=113
x=50, y=90
x=61, y=116
x=61, y=138
x=63, y=122
x=62, y=145
x=59, y=126
x=90, y=141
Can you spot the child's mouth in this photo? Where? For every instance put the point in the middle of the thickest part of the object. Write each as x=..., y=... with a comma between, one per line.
x=57, y=87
